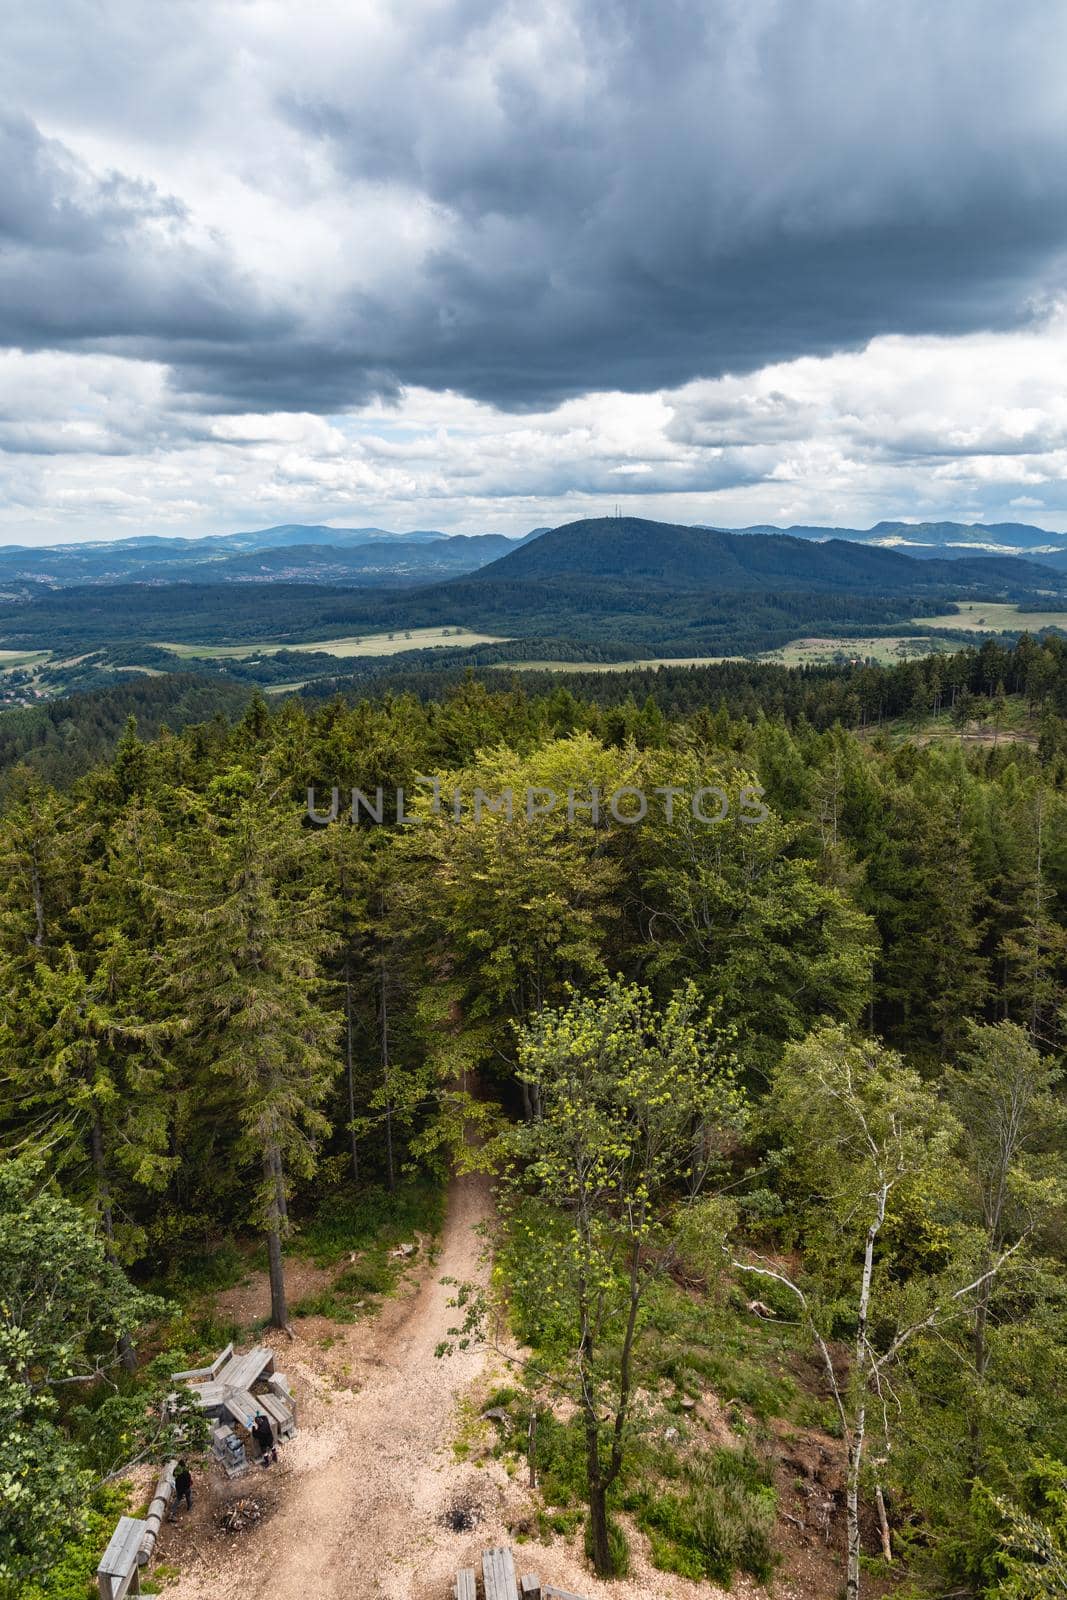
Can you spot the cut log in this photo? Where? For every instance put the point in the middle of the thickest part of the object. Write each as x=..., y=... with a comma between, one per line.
x=157, y=1510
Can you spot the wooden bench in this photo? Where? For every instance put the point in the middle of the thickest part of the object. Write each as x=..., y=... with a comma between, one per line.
x=280, y=1414
x=119, y=1571
x=498, y=1574
x=498, y=1579
x=195, y=1373
x=241, y=1407
x=241, y=1372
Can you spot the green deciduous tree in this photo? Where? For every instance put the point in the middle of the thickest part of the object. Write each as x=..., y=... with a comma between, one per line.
x=634, y=1105
x=864, y=1138
x=65, y=1309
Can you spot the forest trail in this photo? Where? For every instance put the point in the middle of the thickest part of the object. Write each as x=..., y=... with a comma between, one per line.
x=359, y=1507
x=361, y=1492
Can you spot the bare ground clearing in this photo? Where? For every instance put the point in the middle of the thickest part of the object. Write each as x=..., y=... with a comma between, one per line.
x=361, y=1502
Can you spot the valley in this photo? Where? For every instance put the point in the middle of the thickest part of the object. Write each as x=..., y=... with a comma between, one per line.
x=607, y=594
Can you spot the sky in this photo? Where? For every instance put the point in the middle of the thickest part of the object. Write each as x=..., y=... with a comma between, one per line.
x=483, y=266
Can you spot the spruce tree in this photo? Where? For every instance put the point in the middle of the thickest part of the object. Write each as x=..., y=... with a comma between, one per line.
x=250, y=923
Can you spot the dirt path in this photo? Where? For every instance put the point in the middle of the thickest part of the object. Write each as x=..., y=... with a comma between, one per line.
x=359, y=1506
x=360, y=1489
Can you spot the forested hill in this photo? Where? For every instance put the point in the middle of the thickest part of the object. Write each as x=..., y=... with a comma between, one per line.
x=684, y=558
x=642, y=587
x=63, y=739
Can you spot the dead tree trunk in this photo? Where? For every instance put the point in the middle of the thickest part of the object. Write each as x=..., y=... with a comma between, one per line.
x=107, y=1219
x=277, y=1215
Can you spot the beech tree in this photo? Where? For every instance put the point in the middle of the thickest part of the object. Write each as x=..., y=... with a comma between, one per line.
x=66, y=1309
x=633, y=1105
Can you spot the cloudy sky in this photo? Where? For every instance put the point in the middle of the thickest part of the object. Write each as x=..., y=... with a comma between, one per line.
x=479, y=266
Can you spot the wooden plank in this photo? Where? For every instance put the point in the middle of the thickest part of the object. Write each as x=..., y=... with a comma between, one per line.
x=242, y=1371
x=221, y=1359
x=466, y=1584
x=205, y=1372
x=242, y=1407
x=530, y=1586
x=279, y=1413
x=498, y=1574
x=120, y=1557
x=212, y=1397
x=549, y=1592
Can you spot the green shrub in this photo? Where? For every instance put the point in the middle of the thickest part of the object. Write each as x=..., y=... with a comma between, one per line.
x=73, y=1576
x=373, y=1275
x=719, y=1519
x=354, y=1219
x=620, y=1550
x=561, y=1461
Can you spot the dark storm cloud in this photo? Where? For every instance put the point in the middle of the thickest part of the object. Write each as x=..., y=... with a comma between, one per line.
x=623, y=195
x=91, y=260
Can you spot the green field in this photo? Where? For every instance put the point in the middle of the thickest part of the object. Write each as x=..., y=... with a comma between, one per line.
x=976, y=616
x=22, y=658
x=612, y=666
x=367, y=644
x=820, y=652
x=798, y=653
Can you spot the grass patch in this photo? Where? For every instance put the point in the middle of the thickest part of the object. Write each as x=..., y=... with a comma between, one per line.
x=367, y=644
x=369, y=1223
x=696, y=1345
x=983, y=616
x=821, y=652
x=356, y=1219
x=718, y=1520
x=356, y=1290
x=707, y=1514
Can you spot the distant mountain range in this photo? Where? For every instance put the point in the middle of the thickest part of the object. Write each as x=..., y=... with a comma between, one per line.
x=372, y=557
x=924, y=539
x=608, y=587
x=292, y=552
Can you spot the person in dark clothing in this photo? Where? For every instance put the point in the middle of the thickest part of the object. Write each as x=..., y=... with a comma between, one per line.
x=183, y=1488
x=263, y=1434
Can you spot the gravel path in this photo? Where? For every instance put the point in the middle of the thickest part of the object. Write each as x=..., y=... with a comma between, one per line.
x=359, y=1507
x=360, y=1488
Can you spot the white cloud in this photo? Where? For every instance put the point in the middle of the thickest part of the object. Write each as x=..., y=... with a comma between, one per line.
x=974, y=427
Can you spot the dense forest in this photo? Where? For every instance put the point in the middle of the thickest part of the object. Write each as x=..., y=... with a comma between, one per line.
x=643, y=617
x=765, y=1011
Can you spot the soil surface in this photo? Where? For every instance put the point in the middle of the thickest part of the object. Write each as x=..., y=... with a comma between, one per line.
x=370, y=1498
